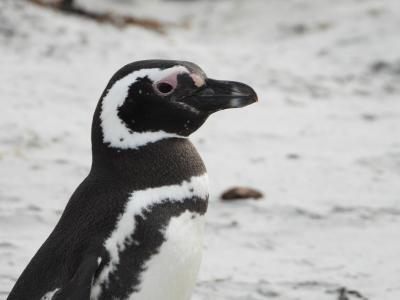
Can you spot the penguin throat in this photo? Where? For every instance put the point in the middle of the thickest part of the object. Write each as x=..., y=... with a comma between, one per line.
x=127, y=139
x=117, y=134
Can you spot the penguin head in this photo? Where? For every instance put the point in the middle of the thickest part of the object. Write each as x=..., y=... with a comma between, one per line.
x=154, y=99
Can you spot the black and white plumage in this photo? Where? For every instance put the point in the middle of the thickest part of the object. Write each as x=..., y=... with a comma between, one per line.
x=133, y=227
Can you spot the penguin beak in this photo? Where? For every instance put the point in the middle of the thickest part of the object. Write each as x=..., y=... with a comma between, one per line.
x=217, y=95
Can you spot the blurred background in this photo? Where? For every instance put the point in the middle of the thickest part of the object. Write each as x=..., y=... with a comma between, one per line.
x=322, y=145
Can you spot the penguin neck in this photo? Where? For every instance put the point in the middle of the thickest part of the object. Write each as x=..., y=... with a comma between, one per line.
x=168, y=160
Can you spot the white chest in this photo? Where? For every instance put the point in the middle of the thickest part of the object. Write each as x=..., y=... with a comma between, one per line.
x=171, y=274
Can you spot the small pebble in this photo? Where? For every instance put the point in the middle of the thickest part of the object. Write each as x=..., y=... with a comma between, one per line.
x=236, y=193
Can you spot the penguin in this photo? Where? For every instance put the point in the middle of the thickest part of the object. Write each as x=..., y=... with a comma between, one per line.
x=133, y=228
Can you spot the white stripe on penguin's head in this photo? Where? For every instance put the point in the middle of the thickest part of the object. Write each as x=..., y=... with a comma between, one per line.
x=115, y=132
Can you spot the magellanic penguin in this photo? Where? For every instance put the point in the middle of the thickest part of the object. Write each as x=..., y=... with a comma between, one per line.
x=133, y=228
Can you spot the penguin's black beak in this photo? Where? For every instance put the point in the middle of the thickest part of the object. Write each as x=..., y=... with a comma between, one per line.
x=216, y=95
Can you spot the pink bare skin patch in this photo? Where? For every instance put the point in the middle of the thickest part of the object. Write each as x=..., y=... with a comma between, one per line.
x=198, y=80
x=168, y=84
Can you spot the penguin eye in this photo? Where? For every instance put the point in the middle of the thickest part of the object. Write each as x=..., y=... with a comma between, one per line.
x=163, y=88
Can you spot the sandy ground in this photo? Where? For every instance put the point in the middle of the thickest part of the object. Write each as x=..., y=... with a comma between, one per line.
x=323, y=144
